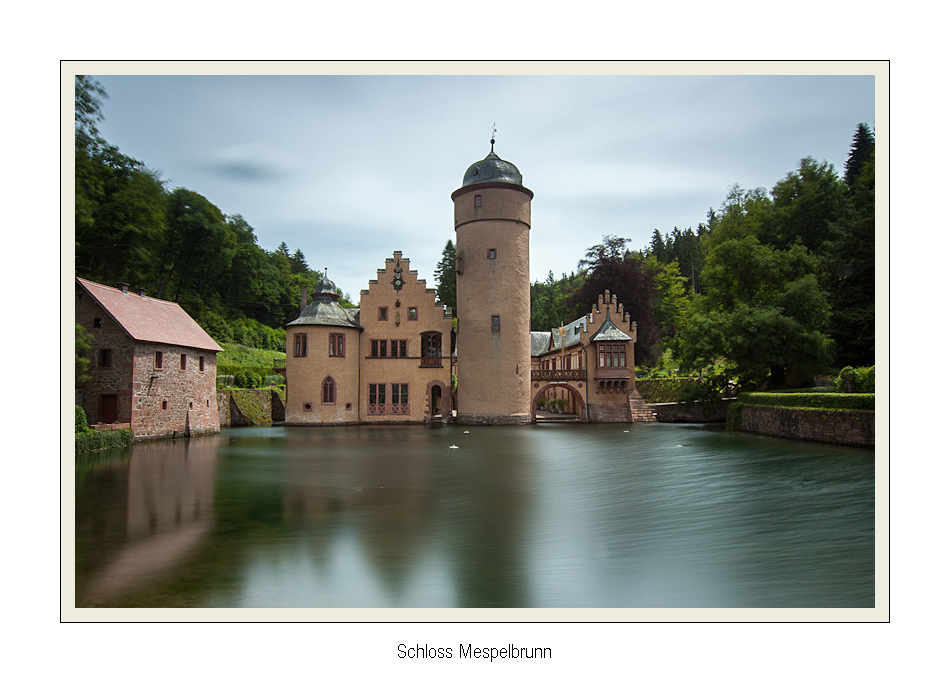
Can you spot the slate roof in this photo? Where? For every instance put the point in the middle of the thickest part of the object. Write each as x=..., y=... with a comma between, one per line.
x=147, y=319
x=323, y=310
x=610, y=332
x=540, y=342
x=572, y=332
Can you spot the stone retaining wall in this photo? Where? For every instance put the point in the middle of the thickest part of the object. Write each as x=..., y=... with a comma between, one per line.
x=842, y=427
x=265, y=402
x=697, y=411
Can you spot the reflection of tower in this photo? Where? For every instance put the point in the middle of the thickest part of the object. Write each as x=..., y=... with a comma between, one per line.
x=492, y=220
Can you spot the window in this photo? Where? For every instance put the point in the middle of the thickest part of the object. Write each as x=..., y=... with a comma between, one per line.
x=164, y=405
x=307, y=407
x=400, y=399
x=431, y=349
x=402, y=347
x=184, y=362
x=159, y=357
x=329, y=391
x=97, y=322
x=492, y=254
x=478, y=197
x=612, y=355
x=338, y=345
x=375, y=346
x=383, y=313
x=377, y=399
x=105, y=358
x=495, y=323
x=300, y=345
x=201, y=363
x=413, y=313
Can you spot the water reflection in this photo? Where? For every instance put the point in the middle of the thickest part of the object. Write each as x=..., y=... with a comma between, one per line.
x=550, y=515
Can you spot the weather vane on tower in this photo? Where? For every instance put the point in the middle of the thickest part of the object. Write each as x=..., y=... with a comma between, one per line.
x=493, y=131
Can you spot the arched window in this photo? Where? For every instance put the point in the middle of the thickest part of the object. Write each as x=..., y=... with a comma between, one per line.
x=329, y=390
x=432, y=349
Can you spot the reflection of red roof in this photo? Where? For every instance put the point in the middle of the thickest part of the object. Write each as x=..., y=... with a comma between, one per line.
x=150, y=320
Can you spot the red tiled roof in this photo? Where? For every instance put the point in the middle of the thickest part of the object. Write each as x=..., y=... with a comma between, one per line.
x=150, y=320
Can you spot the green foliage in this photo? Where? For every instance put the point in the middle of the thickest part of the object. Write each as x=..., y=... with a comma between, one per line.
x=549, y=301
x=176, y=244
x=254, y=405
x=93, y=440
x=83, y=344
x=665, y=389
x=762, y=312
x=82, y=424
x=823, y=401
x=445, y=287
x=855, y=380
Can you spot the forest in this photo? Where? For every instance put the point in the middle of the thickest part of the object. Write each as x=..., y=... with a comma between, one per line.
x=775, y=286
x=177, y=245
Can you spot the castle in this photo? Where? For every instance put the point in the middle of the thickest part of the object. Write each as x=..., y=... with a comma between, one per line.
x=394, y=358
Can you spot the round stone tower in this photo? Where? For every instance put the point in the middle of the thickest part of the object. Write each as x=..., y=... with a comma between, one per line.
x=492, y=220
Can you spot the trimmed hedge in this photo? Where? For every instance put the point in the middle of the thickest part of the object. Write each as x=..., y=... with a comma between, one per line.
x=824, y=401
x=93, y=440
x=664, y=389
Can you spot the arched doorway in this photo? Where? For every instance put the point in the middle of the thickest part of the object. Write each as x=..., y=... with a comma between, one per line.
x=573, y=406
x=435, y=401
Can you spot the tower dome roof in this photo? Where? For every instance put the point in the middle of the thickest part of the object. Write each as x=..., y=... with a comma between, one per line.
x=492, y=169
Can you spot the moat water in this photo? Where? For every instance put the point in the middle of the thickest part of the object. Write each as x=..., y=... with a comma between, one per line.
x=540, y=516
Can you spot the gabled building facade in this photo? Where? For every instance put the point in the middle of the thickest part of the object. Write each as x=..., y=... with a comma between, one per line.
x=389, y=361
x=589, y=365
x=151, y=365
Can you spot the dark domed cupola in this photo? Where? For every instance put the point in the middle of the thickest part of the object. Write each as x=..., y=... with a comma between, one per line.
x=492, y=169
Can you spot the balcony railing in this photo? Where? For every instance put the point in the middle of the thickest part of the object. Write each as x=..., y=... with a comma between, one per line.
x=558, y=375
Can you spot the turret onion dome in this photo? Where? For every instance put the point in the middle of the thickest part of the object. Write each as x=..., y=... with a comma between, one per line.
x=492, y=169
x=324, y=309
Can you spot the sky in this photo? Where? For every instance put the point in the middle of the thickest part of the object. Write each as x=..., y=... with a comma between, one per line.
x=349, y=169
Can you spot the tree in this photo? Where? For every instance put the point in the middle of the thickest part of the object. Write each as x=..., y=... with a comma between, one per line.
x=445, y=286
x=298, y=264
x=762, y=314
x=849, y=274
x=606, y=266
x=862, y=150
x=806, y=202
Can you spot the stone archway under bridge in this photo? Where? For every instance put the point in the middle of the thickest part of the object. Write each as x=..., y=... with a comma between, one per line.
x=572, y=393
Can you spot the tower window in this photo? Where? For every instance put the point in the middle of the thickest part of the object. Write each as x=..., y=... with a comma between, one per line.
x=492, y=254
x=478, y=197
x=329, y=391
x=201, y=363
x=337, y=345
x=300, y=345
x=184, y=362
x=495, y=323
x=158, y=360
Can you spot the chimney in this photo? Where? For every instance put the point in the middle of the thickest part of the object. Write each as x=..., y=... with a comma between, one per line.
x=303, y=297
x=141, y=292
x=124, y=287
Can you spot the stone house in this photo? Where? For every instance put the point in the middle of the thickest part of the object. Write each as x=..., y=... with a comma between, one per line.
x=152, y=367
